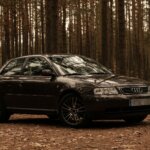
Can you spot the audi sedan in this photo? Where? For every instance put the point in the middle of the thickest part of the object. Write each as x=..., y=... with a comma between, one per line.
x=73, y=88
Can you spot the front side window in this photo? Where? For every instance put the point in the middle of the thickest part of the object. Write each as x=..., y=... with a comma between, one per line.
x=14, y=67
x=35, y=66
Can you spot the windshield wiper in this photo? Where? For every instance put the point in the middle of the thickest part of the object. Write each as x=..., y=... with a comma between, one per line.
x=101, y=73
x=70, y=74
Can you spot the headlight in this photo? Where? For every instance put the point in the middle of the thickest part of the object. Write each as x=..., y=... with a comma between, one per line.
x=105, y=91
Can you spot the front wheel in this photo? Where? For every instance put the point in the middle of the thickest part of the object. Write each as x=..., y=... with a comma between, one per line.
x=135, y=119
x=72, y=111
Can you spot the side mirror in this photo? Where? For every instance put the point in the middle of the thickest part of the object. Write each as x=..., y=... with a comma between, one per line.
x=48, y=72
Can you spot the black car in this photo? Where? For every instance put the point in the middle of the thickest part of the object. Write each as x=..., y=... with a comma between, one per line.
x=73, y=88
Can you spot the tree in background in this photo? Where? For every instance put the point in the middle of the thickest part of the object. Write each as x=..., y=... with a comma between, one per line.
x=51, y=25
x=114, y=32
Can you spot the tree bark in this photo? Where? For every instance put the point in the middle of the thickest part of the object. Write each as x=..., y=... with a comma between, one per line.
x=51, y=25
x=104, y=32
x=121, y=60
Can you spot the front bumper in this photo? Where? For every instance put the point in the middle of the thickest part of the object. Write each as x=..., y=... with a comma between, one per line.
x=115, y=107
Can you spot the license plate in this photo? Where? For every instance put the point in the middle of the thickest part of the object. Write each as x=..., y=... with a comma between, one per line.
x=140, y=102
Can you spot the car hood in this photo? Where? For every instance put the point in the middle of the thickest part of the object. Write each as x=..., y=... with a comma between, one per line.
x=98, y=80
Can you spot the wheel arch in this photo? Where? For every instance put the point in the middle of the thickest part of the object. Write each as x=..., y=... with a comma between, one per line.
x=67, y=92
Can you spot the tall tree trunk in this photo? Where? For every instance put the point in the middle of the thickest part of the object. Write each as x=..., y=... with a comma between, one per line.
x=36, y=29
x=70, y=30
x=140, y=38
x=104, y=32
x=15, y=29
x=64, y=36
x=87, y=31
x=110, y=38
x=51, y=25
x=79, y=27
x=25, y=25
x=121, y=63
x=149, y=15
x=98, y=31
x=6, y=49
x=1, y=34
x=42, y=26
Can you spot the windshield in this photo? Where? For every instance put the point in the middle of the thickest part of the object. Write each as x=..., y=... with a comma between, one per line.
x=77, y=65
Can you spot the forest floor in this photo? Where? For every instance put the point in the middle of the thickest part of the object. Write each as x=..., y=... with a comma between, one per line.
x=32, y=132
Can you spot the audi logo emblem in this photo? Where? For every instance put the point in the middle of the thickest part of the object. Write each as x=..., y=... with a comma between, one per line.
x=137, y=90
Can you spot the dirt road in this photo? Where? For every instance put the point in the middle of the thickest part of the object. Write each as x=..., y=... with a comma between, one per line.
x=26, y=132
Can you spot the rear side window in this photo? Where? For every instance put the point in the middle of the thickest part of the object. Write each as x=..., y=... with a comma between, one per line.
x=14, y=67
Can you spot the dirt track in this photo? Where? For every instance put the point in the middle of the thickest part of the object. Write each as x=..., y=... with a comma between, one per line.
x=26, y=132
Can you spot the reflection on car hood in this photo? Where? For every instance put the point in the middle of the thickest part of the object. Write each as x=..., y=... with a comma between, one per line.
x=98, y=80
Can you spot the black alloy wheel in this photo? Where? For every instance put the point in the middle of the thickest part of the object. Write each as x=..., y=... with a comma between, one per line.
x=4, y=116
x=72, y=111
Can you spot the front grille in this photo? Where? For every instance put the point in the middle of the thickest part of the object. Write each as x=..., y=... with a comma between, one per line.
x=134, y=90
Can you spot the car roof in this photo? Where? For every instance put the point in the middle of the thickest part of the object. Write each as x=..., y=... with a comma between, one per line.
x=44, y=55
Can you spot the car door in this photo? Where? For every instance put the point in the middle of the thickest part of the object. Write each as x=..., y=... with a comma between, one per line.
x=39, y=91
x=10, y=83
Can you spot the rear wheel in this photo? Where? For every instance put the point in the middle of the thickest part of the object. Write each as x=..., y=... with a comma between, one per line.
x=135, y=119
x=4, y=116
x=72, y=111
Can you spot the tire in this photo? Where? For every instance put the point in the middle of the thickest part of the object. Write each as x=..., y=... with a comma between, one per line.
x=135, y=119
x=4, y=116
x=72, y=111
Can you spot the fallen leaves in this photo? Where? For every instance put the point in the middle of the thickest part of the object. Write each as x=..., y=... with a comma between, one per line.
x=26, y=132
